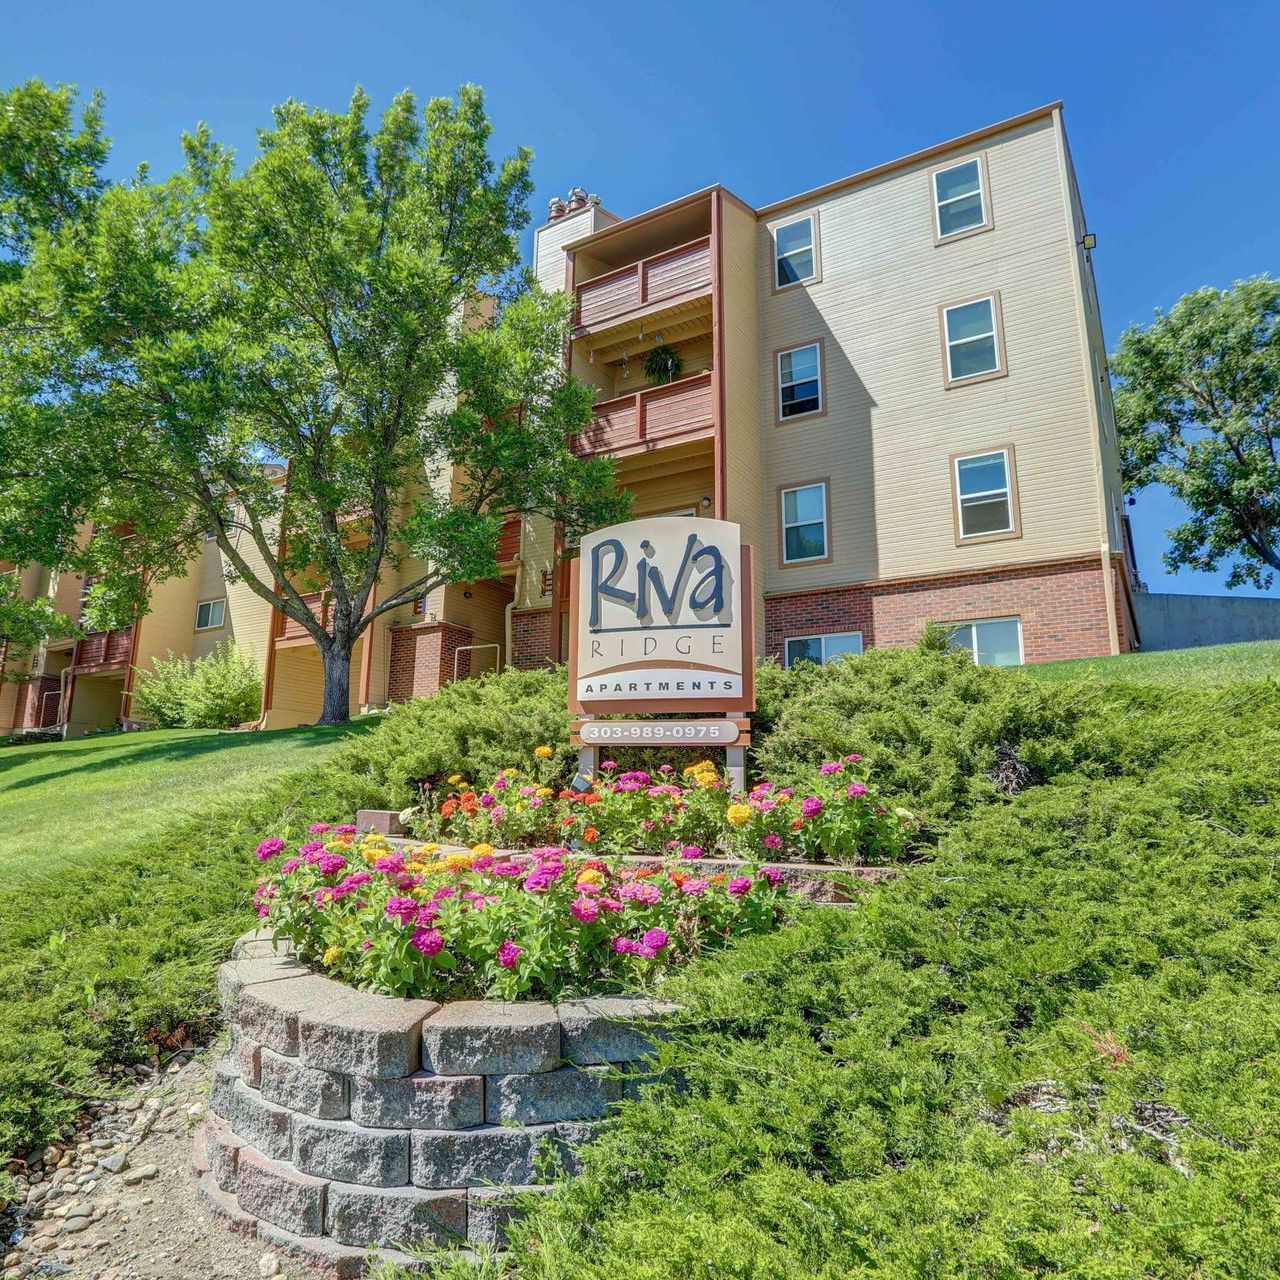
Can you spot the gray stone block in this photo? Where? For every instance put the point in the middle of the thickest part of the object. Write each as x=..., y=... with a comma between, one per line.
x=280, y=1194
x=259, y=1123
x=222, y=1151
x=394, y=1215
x=419, y=1101
x=345, y=1152
x=491, y=1037
x=257, y=943
x=222, y=1086
x=491, y=1209
x=364, y=1034
x=475, y=1157
x=268, y=1011
x=543, y=1097
x=570, y=1137
x=323, y=1256
x=245, y=1056
x=286, y=1082
x=603, y=1029
x=222, y=1204
x=235, y=975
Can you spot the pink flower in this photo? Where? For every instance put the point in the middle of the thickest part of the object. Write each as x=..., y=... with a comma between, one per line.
x=269, y=848
x=608, y=764
x=483, y=862
x=854, y=758
x=291, y=865
x=499, y=784
x=771, y=876
x=497, y=812
x=610, y=904
x=345, y=829
x=691, y=851
x=505, y=869
x=367, y=944
x=644, y=893
x=811, y=806
x=832, y=766
x=444, y=891
x=646, y=825
x=693, y=887
x=402, y=909
x=312, y=849
x=392, y=864
x=666, y=768
x=328, y=864
x=318, y=828
x=655, y=939
x=509, y=954
x=584, y=909
x=855, y=789
x=624, y=946
x=773, y=841
x=739, y=886
x=426, y=914
x=429, y=941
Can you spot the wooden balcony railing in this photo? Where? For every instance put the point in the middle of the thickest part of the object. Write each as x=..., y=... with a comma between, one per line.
x=104, y=648
x=683, y=272
x=509, y=540
x=649, y=417
x=318, y=603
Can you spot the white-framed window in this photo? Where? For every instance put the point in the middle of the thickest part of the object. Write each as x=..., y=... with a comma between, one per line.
x=821, y=649
x=984, y=494
x=992, y=642
x=959, y=202
x=795, y=253
x=210, y=614
x=804, y=523
x=800, y=381
x=973, y=346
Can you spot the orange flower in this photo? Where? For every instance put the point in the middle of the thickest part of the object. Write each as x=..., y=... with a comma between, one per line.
x=677, y=878
x=566, y=822
x=716, y=879
x=591, y=798
x=448, y=808
x=797, y=824
x=590, y=835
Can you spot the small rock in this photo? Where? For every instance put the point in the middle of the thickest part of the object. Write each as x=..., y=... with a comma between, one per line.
x=114, y=1162
x=141, y=1174
x=268, y=1266
x=78, y=1223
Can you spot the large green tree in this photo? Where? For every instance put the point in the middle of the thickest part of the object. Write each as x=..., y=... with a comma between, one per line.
x=348, y=303
x=1198, y=410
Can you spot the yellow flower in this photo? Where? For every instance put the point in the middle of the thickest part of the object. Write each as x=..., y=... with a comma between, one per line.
x=702, y=766
x=426, y=848
x=706, y=779
x=544, y=792
x=331, y=956
x=738, y=814
x=454, y=779
x=481, y=851
x=510, y=773
x=589, y=876
x=457, y=861
x=543, y=752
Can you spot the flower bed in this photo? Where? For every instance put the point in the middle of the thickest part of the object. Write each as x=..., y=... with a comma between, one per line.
x=836, y=816
x=419, y=922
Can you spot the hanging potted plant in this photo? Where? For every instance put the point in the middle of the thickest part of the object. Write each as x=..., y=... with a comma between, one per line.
x=662, y=364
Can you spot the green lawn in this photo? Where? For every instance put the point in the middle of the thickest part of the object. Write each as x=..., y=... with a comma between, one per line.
x=75, y=800
x=1214, y=664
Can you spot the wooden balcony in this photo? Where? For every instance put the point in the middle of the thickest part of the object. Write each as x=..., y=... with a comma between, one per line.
x=675, y=275
x=650, y=418
x=103, y=650
x=290, y=632
x=509, y=540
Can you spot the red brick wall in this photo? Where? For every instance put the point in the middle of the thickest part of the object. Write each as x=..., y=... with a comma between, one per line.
x=1062, y=606
x=422, y=659
x=530, y=637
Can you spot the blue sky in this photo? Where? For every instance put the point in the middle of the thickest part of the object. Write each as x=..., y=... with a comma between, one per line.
x=1173, y=109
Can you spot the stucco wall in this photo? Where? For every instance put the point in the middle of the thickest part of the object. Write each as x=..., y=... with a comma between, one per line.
x=1168, y=621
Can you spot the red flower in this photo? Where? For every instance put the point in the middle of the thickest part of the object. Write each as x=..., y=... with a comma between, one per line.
x=590, y=835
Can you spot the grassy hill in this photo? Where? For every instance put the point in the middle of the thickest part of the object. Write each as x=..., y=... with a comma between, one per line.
x=73, y=801
x=1212, y=665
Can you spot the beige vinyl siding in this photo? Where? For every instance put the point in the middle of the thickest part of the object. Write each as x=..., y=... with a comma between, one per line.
x=890, y=425
x=170, y=620
x=745, y=472
x=537, y=554
x=96, y=703
x=550, y=238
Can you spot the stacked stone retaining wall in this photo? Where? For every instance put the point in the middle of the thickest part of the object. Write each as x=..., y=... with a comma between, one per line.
x=342, y=1120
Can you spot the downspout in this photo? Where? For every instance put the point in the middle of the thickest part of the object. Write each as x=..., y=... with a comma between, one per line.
x=507, y=622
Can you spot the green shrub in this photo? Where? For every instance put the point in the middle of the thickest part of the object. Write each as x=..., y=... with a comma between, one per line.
x=218, y=691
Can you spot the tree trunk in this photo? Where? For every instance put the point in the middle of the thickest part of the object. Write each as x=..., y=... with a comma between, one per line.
x=337, y=684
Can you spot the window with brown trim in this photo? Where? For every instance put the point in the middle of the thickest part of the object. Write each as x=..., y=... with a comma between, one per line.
x=985, y=495
x=960, y=199
x=804, y=523
x=210, y=614
x=820, y=649
x=800, y=381
x=972, y=343
x=795, y=252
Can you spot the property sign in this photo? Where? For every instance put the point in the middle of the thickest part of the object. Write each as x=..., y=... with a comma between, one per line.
x=660, y=619
x=678, y=733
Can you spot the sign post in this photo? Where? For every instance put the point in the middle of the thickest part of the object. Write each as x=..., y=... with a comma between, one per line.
x=660, y=627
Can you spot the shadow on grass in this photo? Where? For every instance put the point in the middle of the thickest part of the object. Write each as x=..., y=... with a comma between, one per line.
x=124, y=752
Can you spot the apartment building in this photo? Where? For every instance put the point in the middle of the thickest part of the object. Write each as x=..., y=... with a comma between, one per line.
x=896, y=383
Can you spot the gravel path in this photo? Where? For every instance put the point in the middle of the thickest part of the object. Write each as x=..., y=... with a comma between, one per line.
x=115, y=1200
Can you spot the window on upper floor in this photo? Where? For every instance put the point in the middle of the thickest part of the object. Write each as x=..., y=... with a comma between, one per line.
x=992, y=642
x=800, y=381
x=821, y=649
x=804, y=523
x=972, y=341
x=210, y=614
x=960, y=199
x=985, y=495
x=795, y=252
